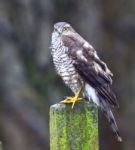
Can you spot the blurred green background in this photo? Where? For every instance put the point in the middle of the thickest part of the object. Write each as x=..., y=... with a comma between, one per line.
x=28, y=82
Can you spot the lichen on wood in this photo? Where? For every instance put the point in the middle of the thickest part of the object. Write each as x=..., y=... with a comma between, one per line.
x=74, y=129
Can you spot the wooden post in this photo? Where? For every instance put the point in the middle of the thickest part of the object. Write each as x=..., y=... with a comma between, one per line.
x=73, y=129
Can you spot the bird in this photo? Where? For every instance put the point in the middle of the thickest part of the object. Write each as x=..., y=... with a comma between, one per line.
x=81, y=69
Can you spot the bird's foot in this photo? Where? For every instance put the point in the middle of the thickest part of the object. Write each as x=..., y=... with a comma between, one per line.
x=74, y=99
x=71, y=100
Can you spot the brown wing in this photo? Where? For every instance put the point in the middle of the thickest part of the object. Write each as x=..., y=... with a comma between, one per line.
x=90, y=67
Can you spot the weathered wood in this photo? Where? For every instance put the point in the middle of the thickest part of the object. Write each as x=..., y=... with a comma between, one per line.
x=73, y=129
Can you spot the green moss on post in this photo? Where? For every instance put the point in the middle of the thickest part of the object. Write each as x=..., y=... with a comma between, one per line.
x=73, y=129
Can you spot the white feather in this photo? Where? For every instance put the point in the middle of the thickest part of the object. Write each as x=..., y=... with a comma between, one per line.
x=87, y=45
x=91, y=93
x=80, y=55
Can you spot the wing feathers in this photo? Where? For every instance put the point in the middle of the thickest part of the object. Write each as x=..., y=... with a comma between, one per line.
x=90, y=67
x=97, y=82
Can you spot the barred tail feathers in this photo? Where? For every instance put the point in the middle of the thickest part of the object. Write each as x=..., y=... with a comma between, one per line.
x=91, y=94
x=105, y=108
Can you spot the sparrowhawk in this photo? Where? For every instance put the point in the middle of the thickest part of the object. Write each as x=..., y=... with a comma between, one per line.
x=77, y=62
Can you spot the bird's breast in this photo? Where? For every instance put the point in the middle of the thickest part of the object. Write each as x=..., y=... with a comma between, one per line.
x=65, y=68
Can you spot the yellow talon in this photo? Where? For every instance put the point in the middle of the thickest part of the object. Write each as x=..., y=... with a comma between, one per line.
x=73, y=100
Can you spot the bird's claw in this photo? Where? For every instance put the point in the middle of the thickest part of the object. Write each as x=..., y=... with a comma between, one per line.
x=71, y=100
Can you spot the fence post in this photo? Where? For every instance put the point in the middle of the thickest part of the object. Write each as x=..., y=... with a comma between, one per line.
x=74, y=129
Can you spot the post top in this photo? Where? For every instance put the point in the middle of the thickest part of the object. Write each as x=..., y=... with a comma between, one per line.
x=77, y=105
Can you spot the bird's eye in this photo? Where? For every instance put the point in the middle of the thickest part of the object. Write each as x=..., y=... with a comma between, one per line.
x=65, y=28
x=55, y=30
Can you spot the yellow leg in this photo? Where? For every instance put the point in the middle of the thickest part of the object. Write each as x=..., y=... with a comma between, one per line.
x=73, y=99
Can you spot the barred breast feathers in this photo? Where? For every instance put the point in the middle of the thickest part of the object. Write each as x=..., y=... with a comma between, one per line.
x=64, y=65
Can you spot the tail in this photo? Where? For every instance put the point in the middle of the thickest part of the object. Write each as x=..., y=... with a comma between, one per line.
x=109, y=115
x=91, y=94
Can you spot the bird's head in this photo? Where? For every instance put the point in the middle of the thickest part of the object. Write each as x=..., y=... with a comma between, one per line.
x=62, y=28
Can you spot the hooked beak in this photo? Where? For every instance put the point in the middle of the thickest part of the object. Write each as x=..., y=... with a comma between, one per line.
x=59, y=32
